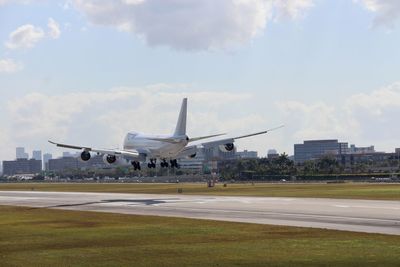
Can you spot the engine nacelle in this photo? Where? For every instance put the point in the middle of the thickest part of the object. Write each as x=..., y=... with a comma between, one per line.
x=227, y=147
x=109, y=159
x=85, y=156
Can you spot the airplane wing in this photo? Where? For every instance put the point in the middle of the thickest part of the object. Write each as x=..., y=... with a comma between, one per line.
x=204, y=137
x=116, y=152
x=231, y=140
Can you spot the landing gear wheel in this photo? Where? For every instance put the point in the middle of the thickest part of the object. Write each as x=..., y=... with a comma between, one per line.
x=174, y=163
x=136, y=165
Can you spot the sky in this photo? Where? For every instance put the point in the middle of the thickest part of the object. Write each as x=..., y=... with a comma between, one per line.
x=87, y=72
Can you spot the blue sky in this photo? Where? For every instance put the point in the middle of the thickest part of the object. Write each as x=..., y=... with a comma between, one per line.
x=326, y=69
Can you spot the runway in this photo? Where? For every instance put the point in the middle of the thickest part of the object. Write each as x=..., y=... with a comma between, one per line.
x=372, y=216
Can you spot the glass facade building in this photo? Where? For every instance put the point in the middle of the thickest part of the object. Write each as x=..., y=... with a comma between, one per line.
x=314, y=149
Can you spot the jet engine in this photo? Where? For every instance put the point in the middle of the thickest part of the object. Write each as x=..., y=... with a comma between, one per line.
x=85, y=156
x=227, y=147
x=109, y=159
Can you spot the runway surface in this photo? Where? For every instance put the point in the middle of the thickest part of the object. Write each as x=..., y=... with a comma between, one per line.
x=372, y=216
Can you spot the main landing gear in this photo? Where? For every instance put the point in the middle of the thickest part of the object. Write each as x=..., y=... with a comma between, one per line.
x=136, y=165
x=164, y=164
x=152, y=164
x=172, y=163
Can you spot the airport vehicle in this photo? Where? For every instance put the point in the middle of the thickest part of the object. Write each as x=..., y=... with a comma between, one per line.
x=139, y=147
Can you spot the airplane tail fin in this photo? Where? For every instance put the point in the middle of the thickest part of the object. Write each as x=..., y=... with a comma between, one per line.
x=181, y=124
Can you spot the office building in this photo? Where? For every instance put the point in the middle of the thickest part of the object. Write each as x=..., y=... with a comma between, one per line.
x=22, y=166
x=73, y=163
x=272, y=154
x=20, y=153
x=314, y=149
x=37, y=154
x=46, y=158
x=246, y=154
x=67, y=154
x=194, y=164
x=361, y=150
x=214, y=153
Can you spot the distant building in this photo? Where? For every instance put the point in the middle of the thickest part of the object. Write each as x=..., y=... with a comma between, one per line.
x=194, y=164
x=20, y=153
x=361, y=150
x=67, y=154
x=214, y=153
x=351, y=159
x=22, y=166
x=272, y=154
x=37, y=154
x=247, y=154
x=73, y=163
x=314, y=149
x=63, y=164
x=46, y=158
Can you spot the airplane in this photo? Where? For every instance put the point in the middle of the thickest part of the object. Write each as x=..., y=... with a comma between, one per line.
x=139, y=147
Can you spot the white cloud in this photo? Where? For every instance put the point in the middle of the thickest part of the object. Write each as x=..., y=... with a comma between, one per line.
x=9, y=65
x=190, y=24
x=387, y=11
x=28, y=35
x=54, y=29
x=25, y=36
x=292, y=8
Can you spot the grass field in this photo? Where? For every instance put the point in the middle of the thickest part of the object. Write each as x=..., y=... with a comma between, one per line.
x=43, y=237
x=345, y=190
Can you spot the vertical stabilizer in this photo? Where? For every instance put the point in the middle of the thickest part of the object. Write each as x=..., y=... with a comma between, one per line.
x=181, y=124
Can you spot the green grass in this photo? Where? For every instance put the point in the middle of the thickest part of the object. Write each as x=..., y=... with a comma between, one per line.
x=44, y=237
x=346, y=190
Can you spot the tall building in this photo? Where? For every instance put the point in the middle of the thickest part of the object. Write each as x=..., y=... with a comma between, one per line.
x=37, y=154
x=20, y=153
x=46, y=158
x=22, y=166
x=314, y=149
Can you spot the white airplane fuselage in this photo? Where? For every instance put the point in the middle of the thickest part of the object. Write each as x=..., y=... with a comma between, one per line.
x=151, y=148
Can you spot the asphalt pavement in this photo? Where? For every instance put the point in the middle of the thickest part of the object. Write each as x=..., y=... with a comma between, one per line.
x=371, y=216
